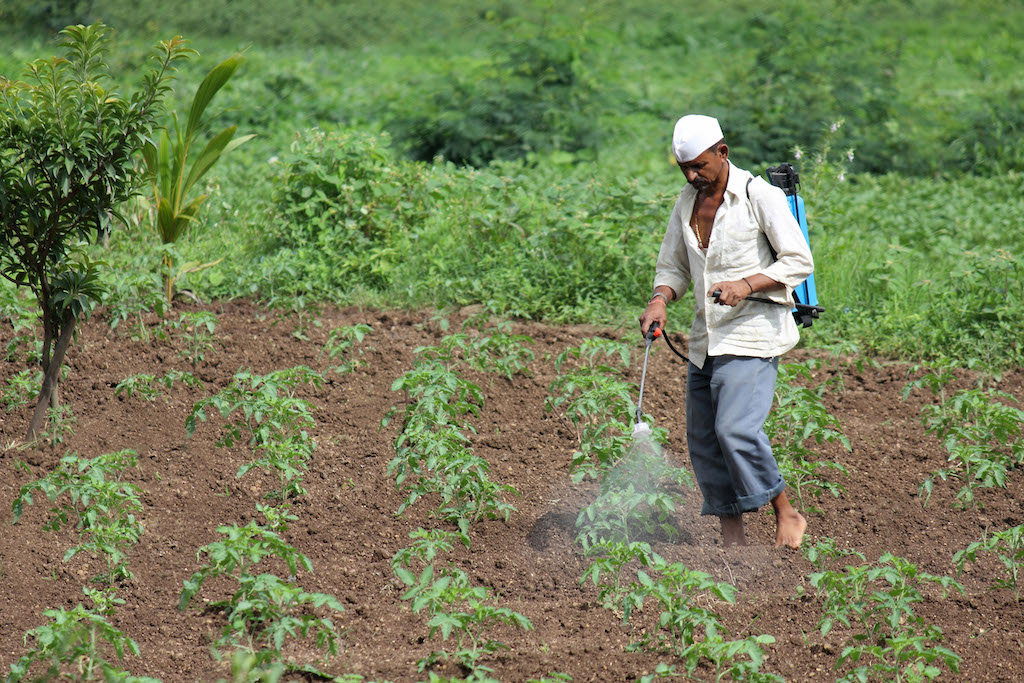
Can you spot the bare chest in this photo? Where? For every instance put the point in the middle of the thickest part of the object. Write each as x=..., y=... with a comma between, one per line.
x=702, y=219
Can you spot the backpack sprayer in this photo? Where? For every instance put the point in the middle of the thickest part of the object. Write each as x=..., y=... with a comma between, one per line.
x=805, y=312
x=806, y=309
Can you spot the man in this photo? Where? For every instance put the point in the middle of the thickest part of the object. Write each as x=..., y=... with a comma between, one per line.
x=721, y=236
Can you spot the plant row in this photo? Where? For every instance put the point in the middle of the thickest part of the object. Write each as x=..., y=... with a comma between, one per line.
x=435, y=461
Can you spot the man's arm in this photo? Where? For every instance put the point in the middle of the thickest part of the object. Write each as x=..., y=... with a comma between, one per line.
x=793, y=262
x=672, y=272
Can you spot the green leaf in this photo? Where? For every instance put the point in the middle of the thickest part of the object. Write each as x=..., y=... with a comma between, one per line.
x=214, y=81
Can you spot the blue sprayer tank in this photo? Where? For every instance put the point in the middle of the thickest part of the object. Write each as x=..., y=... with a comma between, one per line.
x=785, y=177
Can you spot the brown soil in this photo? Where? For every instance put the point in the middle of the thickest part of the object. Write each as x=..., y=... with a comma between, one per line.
x=347, y=524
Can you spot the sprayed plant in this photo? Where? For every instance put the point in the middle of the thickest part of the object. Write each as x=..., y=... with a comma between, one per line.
x=597, y=404
x=876, y=602
x=90, y=497
x=1008, y=546
x=797, y=417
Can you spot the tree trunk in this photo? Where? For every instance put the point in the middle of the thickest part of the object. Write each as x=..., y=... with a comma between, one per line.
x=48, y=393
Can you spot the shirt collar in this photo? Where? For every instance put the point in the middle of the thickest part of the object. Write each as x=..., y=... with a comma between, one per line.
x=737, y=183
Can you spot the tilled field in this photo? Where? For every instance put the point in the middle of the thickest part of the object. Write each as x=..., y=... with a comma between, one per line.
x=347, y=526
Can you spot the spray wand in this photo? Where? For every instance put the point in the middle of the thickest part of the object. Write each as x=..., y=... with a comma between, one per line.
x=641, y=428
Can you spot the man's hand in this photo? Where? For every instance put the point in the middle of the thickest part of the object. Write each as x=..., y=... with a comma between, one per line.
x=656, y=312
x=657, y=308
x=732, y=291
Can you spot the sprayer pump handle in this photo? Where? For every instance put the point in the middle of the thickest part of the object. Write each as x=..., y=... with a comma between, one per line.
x=653, y=332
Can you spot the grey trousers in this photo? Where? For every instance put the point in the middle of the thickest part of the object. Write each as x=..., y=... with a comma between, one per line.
x=727, y=403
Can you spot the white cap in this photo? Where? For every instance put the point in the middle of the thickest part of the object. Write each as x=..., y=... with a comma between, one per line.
x=693, y=134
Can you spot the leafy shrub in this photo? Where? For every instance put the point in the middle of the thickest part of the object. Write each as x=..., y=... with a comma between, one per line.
x=535, y=96
x=342, y=205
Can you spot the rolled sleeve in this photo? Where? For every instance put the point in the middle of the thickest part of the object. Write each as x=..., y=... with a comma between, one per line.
x=673, y=267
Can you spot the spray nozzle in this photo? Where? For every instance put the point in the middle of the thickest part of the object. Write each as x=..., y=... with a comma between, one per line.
x=653, y=332
x=641, y=430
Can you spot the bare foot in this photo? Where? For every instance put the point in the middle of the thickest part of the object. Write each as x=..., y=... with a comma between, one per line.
x=732, y=531
x=789, y=524
x=789, y=528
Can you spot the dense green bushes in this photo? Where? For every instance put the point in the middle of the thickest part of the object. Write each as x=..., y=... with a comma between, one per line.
x=925, y=86
x=350, y=217
x=554, y=181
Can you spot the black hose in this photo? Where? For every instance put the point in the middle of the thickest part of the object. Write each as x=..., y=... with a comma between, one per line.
x=673, y=347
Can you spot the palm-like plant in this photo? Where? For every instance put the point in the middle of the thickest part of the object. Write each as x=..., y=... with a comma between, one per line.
x=173, y=178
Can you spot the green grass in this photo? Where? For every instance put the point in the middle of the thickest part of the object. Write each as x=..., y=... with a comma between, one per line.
x=917, y=251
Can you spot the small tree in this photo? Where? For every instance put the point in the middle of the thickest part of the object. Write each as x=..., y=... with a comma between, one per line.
x=66, y=148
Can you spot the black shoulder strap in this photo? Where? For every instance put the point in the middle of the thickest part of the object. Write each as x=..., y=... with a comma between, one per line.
x=771, y=247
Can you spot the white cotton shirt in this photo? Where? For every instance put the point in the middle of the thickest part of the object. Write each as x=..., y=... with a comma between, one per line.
x=738, y=247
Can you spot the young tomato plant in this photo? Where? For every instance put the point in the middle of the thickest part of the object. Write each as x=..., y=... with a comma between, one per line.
x=72, y=646
x=196, y=330
x=148, y=386
x=101, y=509
x=797, y=417
x=341, y=346
x=983, y=436
x=261, y=407
x=455, y=607
x=690, y=631
x=889, y=641
x=1008, y=546
x=264, y=609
